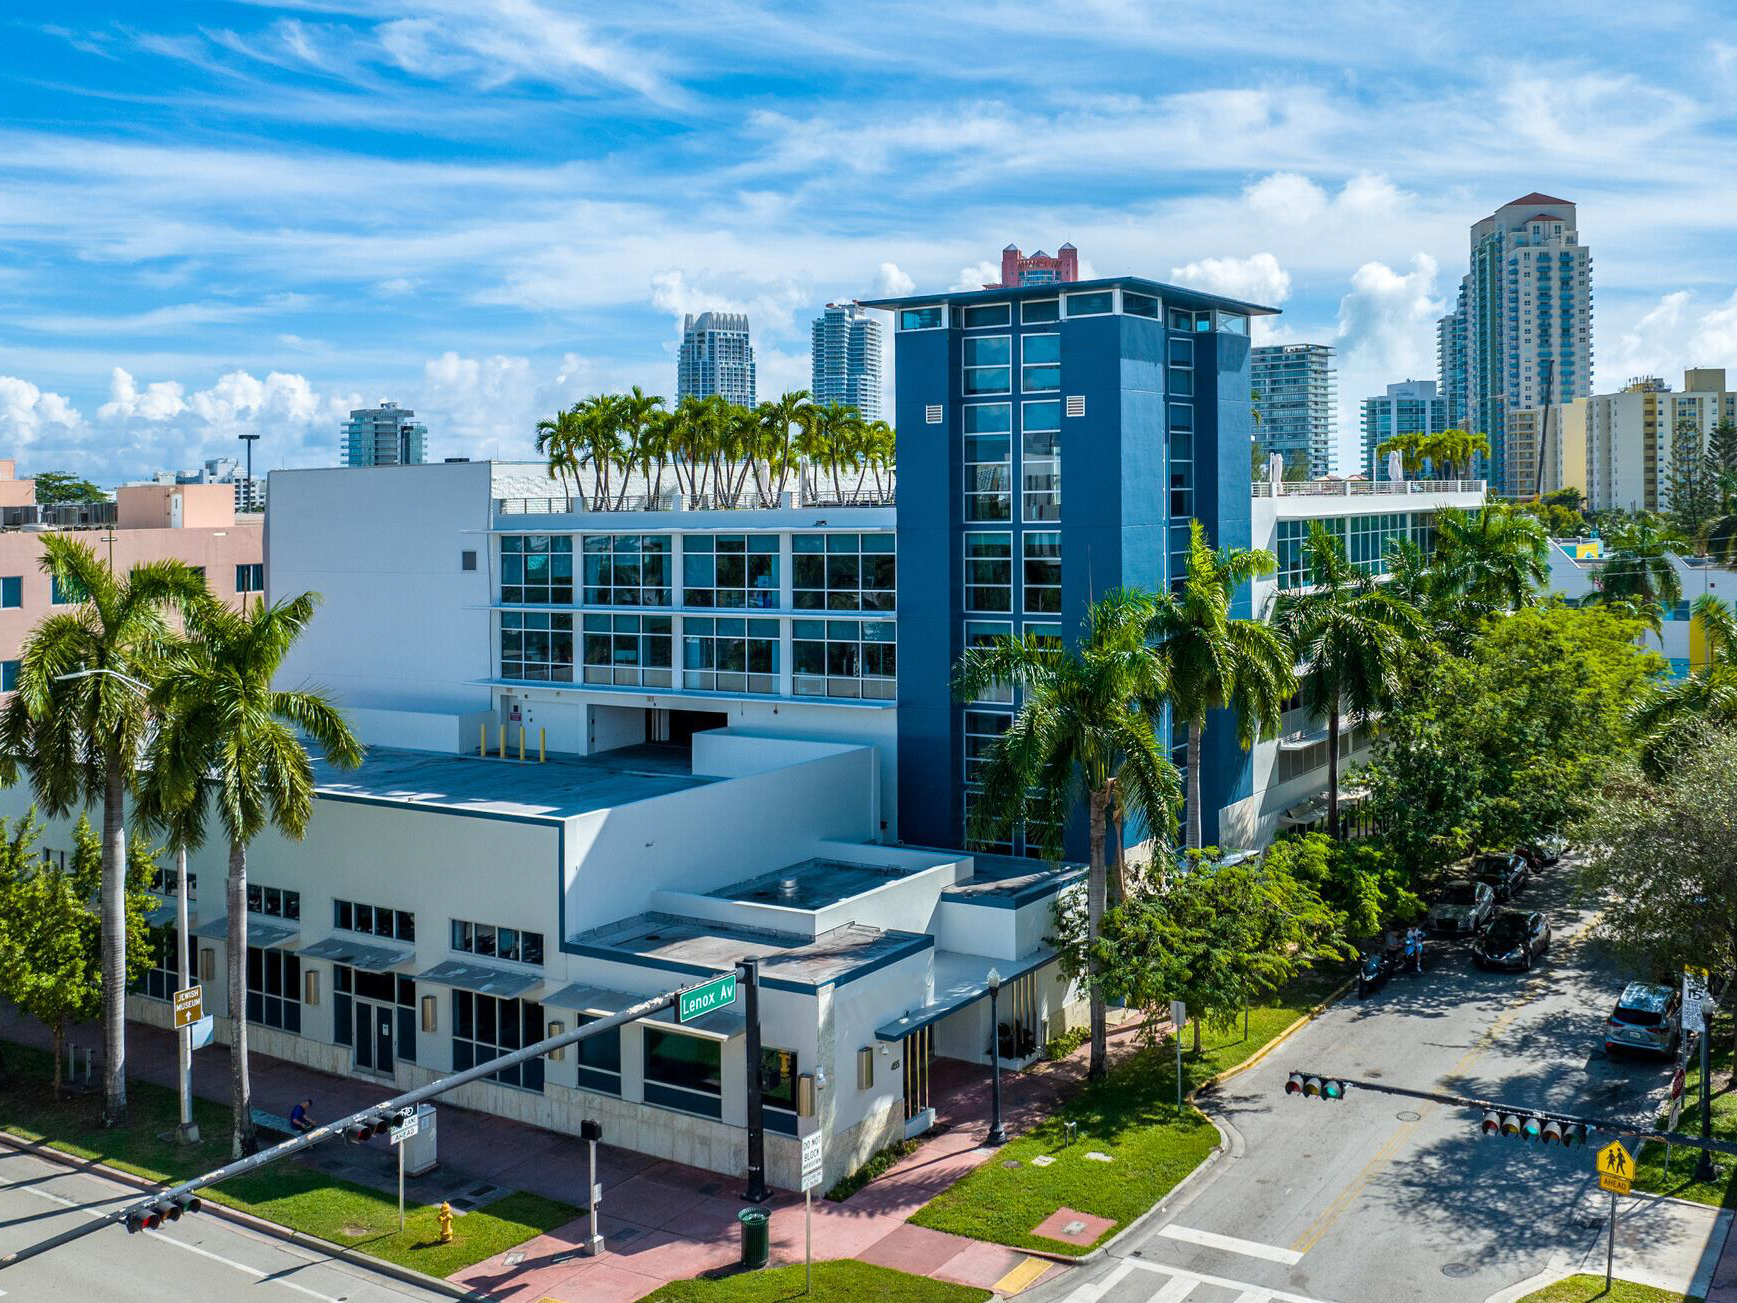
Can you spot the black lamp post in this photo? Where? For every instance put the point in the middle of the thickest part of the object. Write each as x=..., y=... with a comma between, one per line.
x=996, y=1136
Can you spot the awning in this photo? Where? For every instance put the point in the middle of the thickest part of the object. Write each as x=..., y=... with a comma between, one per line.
x=260, y=933
x=358, y=954
x=592, y=999
x=483, y=978
x=961, y=980
x=160, y=916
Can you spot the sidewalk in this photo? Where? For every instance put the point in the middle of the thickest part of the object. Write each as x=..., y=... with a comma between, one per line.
x=661, y=1221
x=1723, y=1286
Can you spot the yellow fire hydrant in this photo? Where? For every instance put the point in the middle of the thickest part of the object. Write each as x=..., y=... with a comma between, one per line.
x=444, y=1218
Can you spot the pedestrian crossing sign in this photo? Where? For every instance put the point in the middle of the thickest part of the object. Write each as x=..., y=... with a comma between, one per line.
x=1614, y=1160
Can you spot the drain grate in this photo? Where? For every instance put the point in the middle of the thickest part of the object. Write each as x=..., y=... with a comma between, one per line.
x=1407, y=1115
x=1458, y=1270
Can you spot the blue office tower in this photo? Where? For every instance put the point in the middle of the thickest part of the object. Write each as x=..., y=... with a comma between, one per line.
x=1141, y=391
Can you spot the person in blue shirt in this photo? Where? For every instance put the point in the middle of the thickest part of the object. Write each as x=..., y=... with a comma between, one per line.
x=300, y=1118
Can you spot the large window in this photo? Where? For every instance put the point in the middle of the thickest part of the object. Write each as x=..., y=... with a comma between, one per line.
x=988, y=314
x=1368, y=536
x=729, y=654
x=844, y=658
x=1038, y=311
x=1091, y=303
x=1139, y=305
x=1040, y=363
x=843, y=572
x=537, y=569
x=730, y=570
x=599, y=1058
x=273, y=902
x=250, y=578
x=988, y=364
x=374, y=920
x=1042, y=572
x=537, y=646
x=1040, y=460
x=1181, y=461
x=492, y=942
x=983, y=633
x=11, y=592
x=9, y=675
x=68, y=592
x=163, y=978
x=627, y=570
x=989, y=572
x=628, y=649
x=274, y=989
x=484, y=1028
x=988, y=464
x=982, y=728
x=778, y=1073
x=350, y=984
x=1293, y=558
x=929, y=318
x=684, y=1072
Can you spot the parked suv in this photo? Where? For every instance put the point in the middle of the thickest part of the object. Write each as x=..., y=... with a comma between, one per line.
x=1647, y=1018
x=1507, y=874
x=1463, y=908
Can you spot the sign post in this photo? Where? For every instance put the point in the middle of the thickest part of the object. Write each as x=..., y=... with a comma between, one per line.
x=1696, y=1000
x=812, y=1164
x=1615, y=1173
x=1178, y=1017
x=408, y=1125
x=188, y=1130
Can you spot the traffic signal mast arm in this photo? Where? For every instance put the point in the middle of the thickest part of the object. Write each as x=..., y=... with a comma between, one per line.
x=364, y=1124
x=1326, y=1086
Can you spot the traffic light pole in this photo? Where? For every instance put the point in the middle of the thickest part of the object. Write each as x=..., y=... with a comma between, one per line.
x=374, y=1116
x=1704, y=1169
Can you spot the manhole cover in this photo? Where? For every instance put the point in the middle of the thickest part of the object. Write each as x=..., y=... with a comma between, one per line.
x=1074, y=1228
x=1458, y=1269
x=1406, y=1115
x=514, y=1258
x=1043, y=1160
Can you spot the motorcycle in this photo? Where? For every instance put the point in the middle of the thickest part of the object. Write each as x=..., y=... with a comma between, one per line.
x=1401, y=954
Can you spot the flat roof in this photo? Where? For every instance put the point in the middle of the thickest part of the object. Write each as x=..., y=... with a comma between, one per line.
x=814, y=883
x=787, y=960
x=557, y=789
x=1179, y=294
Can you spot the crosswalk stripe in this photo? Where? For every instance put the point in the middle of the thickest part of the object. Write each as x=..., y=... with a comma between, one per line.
x=1179, y=1288
x=1231, y=1244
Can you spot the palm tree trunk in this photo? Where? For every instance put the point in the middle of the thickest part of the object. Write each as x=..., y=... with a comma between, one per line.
x=1095, y=893
x=1333, y=770
x=1192, y=839
x=59, y=1052
x=114, y=933
x=240, y=1092
x=1117, y=891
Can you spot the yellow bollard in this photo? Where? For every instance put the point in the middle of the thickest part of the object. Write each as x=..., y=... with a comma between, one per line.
x=521, y=744
x=482, y=739
x=501, y=749
x=444, y=1218
x=541, y=738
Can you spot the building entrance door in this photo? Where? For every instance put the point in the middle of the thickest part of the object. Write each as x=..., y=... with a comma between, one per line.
x=374, y=1038
x=919, y=1065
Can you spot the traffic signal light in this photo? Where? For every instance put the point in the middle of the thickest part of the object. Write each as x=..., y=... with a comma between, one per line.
x=152, y=1215
x=1528, y=1126
x=360, y=1133
x=1492, y=1122
x=1314, y=1087
x=1573, y=1134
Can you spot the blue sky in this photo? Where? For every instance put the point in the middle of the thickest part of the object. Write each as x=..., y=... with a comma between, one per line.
x=225, y=218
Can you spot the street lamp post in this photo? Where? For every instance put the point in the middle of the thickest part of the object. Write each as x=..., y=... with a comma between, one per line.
x=997, y=1136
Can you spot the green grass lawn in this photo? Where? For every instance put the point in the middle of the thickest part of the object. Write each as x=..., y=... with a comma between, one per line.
x=834, y=1282
x=1722, y=1189
x=1586, y=1289
x=1132, y=1117
x=289, y=1193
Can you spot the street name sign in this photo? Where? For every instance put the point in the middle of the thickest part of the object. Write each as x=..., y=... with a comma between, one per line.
x=189, y=1006
x=716, y=994
x=1615, y=1168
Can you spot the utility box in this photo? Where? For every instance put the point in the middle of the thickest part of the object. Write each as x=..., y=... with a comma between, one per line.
x=421, y=1152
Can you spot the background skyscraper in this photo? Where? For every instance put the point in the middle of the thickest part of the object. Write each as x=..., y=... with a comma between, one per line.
x=387, y=435
x=1450, y=361
x=1526, y=307
x=1039, y=269
x=1296, y=405
x=847, y=359
x=717, y=357
x=1410, y=407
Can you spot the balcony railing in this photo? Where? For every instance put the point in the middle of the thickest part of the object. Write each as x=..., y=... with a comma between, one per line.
x=747, y=500
x=1364, y=488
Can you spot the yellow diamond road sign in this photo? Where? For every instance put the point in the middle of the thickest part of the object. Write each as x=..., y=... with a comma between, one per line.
x=1613, y=1160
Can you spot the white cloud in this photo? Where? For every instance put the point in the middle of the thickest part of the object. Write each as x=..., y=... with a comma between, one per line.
x=977, y=275
x=1286, y=197
x=241, y=398
x=1387, y=318
x=159, y=401
x=891, y=282
x=25, y=411
x=1257, y=278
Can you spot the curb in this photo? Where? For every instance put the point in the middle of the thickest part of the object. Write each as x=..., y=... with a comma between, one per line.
x=355, y=1257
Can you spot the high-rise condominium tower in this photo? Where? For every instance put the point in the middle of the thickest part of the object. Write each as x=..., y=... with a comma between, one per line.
x=387, y=435
x=1296, y=404
x=1525, y=307
x=1411, y=407
x=847, y=359
x=717, y=357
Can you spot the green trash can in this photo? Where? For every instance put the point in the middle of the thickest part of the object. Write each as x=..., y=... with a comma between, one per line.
x=756, y=1237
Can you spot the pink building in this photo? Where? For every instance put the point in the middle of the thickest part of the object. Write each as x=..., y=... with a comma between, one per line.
x=194, y=523
x=1039, y=269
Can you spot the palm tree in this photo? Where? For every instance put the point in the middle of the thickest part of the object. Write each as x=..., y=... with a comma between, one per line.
x=1409, y=446
x=1638, y=572
x=1450, y=449
x=600, y=448
x=1664, y=719
x=1214, y=662
x=780, y=417
x=1496, y=558
x=77, y=723
x=561, y=439
x=1083, y=734
x=1352, y=638
x=636, y=412
x=880, y=446
x=226, y=728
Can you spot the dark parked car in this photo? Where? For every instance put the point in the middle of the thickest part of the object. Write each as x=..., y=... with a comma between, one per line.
x=1462, y=908
x=1648, y=1018
x=1543, y=854
x=1513, y=940
x=1507, y=874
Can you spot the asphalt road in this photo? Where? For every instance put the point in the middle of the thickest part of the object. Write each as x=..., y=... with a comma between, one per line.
x=199, y=1259
x=1378, y=1199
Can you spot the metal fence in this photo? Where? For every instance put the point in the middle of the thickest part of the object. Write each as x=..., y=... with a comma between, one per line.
x=1364, y=488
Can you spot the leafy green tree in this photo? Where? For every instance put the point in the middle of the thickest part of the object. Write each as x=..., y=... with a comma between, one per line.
x=1214, y=662
x=1352, y=638
x=1663, y=855
x=78, y=722
x=1509, y=742
x=227, y=732
x=51, y=954
x=56, y=488
x=1083, y=736
x=1637, y=573
x=1670, y=713
x=1363, y=883
x=1691, y=484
